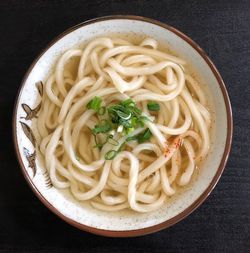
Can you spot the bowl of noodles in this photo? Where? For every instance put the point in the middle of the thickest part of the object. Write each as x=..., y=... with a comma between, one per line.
x=122, y=126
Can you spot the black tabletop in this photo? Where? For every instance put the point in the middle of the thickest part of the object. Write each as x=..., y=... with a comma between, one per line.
x=222, y=29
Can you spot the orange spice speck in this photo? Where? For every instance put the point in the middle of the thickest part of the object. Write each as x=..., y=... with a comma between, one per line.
x=176, y=145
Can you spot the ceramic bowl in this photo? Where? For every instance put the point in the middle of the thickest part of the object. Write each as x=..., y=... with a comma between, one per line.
x=125, y=223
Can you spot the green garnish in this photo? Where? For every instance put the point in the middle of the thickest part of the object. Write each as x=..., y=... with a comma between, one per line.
x=136, y=111
x=134, y=121
x=130, y=130
x=100, y=145
x=95, y=139
x=119, y=111
x=142, y=137
x=112, y=141
x=102, y=128
x=126, y=114
x=94, y=104
x=128, y=102
x=123, y=117
x=110, y=154
x=141, y=120
x=131, y=138
x=152, y=106
x=146, y=135
x=101, y=110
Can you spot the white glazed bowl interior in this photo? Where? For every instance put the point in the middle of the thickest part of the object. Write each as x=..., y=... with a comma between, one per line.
x=62, y=200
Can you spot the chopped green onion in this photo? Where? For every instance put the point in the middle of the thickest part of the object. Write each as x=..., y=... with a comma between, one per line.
x=99, y=145
x=110, y=154
x=129, y=130
x=103, y=128
x=141, y=120
x=114, y=118
x=125, y=123
x=131, y=138
x=146, y=135
x=104, y=121
x=102, y=111
x=115, y=108
x=95, y=138
x=94, y=104
x=152, y=106
x=119, y=129
x=136, y=110
x=112, y=141
x=133, y=122
x=128, y=102
x=124, y=115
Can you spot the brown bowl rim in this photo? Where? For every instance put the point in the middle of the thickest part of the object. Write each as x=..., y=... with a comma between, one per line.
x=198, y=201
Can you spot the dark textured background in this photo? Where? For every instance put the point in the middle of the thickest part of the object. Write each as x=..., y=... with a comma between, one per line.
x=222, y=29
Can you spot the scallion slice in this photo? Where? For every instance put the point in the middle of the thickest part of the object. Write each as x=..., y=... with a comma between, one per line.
x=112, y=141
x=131, y=138
x=152, y=106
x=94, y=104
x=123, y=115
x=128, y=102
x=146, y=135
x=110, y=154
x=130, y=130
x=102, y=128
x=101, y=110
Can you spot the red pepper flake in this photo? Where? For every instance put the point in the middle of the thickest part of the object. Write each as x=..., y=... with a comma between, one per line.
x=166, y=151
x=176, y=145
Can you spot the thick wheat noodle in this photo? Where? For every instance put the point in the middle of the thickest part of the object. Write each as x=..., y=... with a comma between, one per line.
x=141, y=176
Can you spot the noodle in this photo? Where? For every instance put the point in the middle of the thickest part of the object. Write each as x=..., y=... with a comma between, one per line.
x=119, y=168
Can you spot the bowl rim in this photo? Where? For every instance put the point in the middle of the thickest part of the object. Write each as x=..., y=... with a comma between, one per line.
x=198, y=201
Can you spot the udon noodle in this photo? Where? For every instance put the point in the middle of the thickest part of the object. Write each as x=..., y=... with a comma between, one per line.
x=126, y=172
